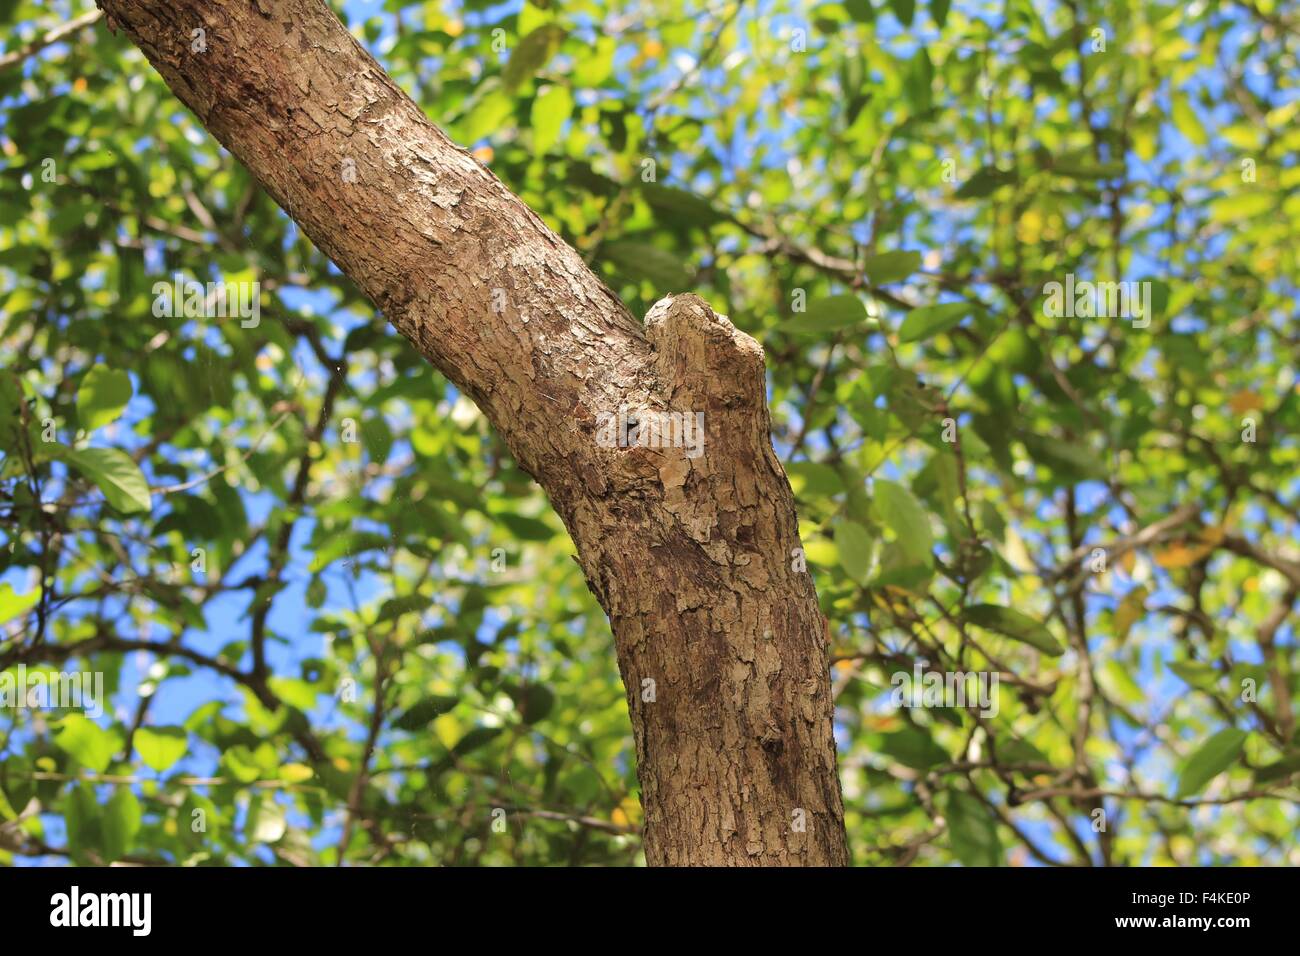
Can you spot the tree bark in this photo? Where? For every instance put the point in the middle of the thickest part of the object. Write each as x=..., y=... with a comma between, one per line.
x=694, y=557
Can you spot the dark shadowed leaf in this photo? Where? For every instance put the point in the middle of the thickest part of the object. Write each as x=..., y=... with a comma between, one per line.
x=421, y=713
x=1013, y=624
x=532, y=53
x=1212, y=758
x=972, y=830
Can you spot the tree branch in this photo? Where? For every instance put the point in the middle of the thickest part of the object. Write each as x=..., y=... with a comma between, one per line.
x=49, y=38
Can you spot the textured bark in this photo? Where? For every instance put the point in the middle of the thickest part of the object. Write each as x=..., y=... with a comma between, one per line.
x=720, y=642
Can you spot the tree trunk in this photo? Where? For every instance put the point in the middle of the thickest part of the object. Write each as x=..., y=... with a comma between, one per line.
x=692, y=551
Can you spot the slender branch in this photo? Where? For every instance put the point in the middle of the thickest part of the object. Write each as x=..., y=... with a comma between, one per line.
x=49, y=38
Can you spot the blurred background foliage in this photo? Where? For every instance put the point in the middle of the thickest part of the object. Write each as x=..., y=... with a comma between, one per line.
x=336, y=622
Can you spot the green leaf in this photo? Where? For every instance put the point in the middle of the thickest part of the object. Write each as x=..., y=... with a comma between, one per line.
x=195, y=810
x=939, y=11
x=903, y=514
x=396, y=607
x=972, y=830
x=891, y=266
x=1196, y=673
x=855, y=547
x=350, y=543
x=812, y=478
x=377, y=437
x=932, y=319
x=296, y=773
x=638, y=260
x=1214, y=756
x=1068, y=460
x=674, y=206
x=86, y=742
x=918, y=81
x=533, y=702
x=525, y=528
x=595, y=68
x=82, y=819
x=1013, y=750
x=1185, y=118
x=984, y=182
x=241, y=764
x=904, y=10
x=860, y=10
x=103, y=394
x=550, y=109
x=161, y=747
x=418, y=715
x=1088, y=171
x=474, y=739
x=316, y=591
x=1278, y=769
x=297, y=693
x=827, y=315
x=121, y=823
x=1159, y=298
x=1013, y=624
x=1238, y=207
x=13, y=604
x=266, y=822
x=532, y=53
x=11, y=401
x=117, y=476
x=913, y=747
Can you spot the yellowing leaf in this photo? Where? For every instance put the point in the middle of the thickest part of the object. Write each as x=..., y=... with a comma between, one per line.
x=1130, y=611
x=1128, y=561
x=295, y=773
x=1180, y=555
x=1245, y=401
x=1241, y=206
x=1213, y=535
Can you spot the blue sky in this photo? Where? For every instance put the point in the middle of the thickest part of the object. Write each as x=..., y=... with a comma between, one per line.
x=226, y=615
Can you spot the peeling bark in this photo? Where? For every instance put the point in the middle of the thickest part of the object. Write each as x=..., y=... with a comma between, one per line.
x=720, y=641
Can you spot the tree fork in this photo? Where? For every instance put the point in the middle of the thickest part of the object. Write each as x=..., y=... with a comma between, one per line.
x=694, y=557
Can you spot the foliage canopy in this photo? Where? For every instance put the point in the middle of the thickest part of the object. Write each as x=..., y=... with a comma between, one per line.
x=1101, y=509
